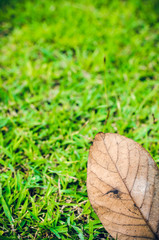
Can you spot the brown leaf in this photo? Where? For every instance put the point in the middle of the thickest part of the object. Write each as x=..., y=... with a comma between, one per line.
x=123, y=187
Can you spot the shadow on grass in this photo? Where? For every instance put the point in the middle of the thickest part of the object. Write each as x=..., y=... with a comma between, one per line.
x=4, y=3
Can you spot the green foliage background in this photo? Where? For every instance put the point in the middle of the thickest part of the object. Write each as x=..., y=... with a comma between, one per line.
x=56, y=93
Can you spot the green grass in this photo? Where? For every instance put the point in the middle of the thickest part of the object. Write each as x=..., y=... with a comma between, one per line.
x=56, y=93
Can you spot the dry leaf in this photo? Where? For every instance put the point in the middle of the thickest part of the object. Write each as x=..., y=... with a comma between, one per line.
x=123, y=187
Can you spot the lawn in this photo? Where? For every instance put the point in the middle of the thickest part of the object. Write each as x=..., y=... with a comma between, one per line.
x=68, y=70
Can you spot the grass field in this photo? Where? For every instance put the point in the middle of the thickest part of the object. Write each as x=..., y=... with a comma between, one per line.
x=56, y=92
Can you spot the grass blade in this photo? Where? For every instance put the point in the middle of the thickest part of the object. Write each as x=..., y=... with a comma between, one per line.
x=6, y=210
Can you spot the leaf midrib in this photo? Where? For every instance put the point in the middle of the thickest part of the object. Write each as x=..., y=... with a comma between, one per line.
x=127, y=187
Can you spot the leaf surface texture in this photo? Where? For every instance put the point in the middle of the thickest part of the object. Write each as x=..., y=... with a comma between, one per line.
x=123, y=187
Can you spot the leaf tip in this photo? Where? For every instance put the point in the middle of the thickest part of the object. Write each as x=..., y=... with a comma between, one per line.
x=99, y=136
